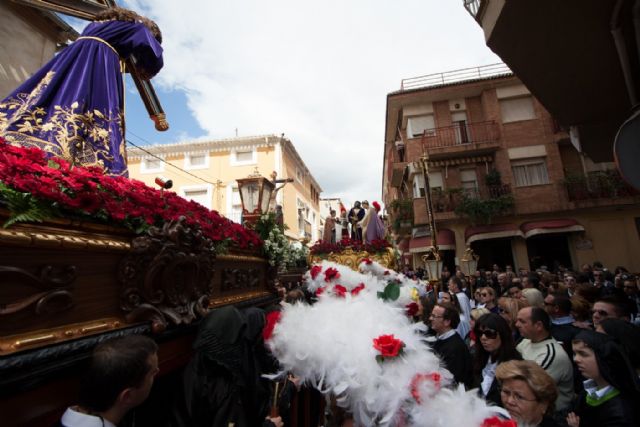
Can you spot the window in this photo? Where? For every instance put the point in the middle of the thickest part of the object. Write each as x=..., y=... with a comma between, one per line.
x=196, y=161
x=529, y=172
x=417, y=125
x=459, y=120
x=300, y=175
x=469, y=181
x=244, y=157
x=151, y=165
x=199, y=194
x=435, y=183
x=516, y=109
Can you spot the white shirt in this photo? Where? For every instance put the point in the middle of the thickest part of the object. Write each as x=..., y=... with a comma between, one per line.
x=488, y=375
x=73, y=418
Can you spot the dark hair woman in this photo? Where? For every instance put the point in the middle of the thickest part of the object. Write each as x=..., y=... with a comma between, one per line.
x=612, y=389
x=496, y=346
x=627, y=335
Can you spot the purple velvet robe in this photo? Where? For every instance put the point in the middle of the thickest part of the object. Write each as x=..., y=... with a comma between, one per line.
x=73, y=107
x=375, y=229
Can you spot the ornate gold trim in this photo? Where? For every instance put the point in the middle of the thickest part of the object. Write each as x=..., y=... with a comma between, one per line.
x=19, y=342
x=219, y=301
x=47, y=239
x=353, y=259
x=244, y=258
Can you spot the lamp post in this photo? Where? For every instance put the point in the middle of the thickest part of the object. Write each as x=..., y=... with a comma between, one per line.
x=255, y=194
x=469, y=265
x=432, y=261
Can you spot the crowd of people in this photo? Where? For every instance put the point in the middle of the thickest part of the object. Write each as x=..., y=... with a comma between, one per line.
x=553, y=348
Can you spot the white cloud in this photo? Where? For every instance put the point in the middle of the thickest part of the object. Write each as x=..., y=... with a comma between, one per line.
x=318, y=72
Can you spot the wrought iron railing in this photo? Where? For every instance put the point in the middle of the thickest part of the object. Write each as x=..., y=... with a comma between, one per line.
x=448, y=200
x=460, y=134
x=455, y=76
x=598, y=185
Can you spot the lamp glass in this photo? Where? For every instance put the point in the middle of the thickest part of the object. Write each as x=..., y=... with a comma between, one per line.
x=267, y=189
x=250, y=195
x=434, y=268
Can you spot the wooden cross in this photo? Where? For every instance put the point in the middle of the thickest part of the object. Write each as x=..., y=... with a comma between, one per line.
x=88, y=9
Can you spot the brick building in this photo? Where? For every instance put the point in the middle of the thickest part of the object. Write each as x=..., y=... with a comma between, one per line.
x=504, y=178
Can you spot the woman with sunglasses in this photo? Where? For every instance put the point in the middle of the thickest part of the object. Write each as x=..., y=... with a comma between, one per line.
x=488, y=298
x=612, y=389
x=496, y=346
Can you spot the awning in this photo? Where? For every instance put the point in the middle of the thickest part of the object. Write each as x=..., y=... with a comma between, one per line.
x=495, y=231
x=446, y=242
x=549, y=226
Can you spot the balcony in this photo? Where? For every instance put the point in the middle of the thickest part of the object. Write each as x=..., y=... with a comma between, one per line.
x=460, y=140
x=600, y=188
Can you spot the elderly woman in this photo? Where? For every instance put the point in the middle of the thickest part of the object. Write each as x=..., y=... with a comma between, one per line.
x=533, y=297
x=527, y=392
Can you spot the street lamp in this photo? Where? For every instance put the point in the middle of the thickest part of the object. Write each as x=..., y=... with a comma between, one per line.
x=255, y=193
x=469, y=265
x=433, y=265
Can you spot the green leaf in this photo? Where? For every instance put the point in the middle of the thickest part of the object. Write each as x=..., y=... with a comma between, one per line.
x=392, y=291
x=382, y=295
x=53, y=165
x=379, y=358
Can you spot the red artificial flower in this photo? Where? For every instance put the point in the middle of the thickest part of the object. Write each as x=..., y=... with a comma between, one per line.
x=320, y=291
x=367, y=261
x=412, y=309
x=339, y=291
x=330, y=274
x=388, y=345
x=497, y=422
x=315, y=270
x=418, y=378
x=270, y=323
x=355, y=291
x=386, y=273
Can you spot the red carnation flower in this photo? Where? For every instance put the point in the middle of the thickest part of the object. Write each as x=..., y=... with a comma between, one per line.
x=270, y=323
x=418, y=378
x=330, y=274
x=315, y=270
x=367, y=261
x=388, y=346
x=497, y=422
x=412, y=309
x=386, y=273
x=355, y=291
x=320, y=291
x=339, y=291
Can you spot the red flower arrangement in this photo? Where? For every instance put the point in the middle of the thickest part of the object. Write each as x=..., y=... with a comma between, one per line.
x=270, y=323
x=367, y=261
x=419, y=378
x=315, y=270
x=330, y=274
x=320, y=291
x=376, y=246
x=388, y=346
x=355, y=291
x=58, y=189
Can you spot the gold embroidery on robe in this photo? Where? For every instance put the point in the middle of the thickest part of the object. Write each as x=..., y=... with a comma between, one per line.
x=80, y=137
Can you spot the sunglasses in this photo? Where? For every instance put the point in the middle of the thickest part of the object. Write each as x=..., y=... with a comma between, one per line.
x=600, y=312
x=484, y=294
x=492, y=334
x=503, y=311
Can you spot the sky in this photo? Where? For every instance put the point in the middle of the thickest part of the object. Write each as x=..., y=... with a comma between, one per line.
x=318, y=72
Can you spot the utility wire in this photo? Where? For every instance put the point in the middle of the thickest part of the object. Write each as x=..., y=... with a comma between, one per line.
x=167, y=163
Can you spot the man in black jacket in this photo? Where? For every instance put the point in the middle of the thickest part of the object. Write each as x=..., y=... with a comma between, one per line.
x=449, y=345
